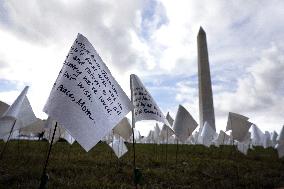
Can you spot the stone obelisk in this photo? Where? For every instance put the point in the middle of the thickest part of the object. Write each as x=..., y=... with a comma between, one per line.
x=206, y=107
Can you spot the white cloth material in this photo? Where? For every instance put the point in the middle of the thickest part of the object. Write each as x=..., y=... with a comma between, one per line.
x=150, y=137
x=247, y=138
x=267, y=141
x=3, y=108
x=34, y=128
x=145, y=107
x=222, y=139
x=207, y=135
x=280, y=148
x=170, y=119
x=274, y=136
x=281, y=135
x=184, y=124
x=166, y=132
x=85, y=98
x=118, y=147
x=239, y=125
x=123, y=128
x=66, y=135
x=14, y=135
x=258, y=136
x=49, y=129
x=21, y=111
x=243, y=147
x=157, y=132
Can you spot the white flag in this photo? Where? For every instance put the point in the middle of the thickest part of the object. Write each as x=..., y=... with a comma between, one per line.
x=20, y=111
x=3, y=108
x=85, y=98
x=281, y=135
x=145, y=108
x=184, y=124
x=207, y=135
x=118, y=147
x=222, y=139
x=243, y=147
x=257, y=136
x=123, y=129
x=239, y=125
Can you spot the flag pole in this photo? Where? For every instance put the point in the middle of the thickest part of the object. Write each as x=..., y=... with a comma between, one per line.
x=176, y=154
x=167, y=147
x=44, y=177
x=133, y=138
x=6, y=143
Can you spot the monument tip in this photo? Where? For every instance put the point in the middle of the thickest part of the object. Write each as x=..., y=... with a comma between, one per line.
x=201, y=31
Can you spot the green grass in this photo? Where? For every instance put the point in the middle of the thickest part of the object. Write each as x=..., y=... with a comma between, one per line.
x=196, y=167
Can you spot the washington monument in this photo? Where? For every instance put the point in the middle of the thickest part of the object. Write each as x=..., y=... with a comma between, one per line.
x=206, y=107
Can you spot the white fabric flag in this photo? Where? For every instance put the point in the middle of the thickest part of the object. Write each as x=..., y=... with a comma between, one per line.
x=145, y=108
x=208, y=134
x=66, y=135
x=21, y=111
x=242, y=147
x=34, y=128
x=184, y=124
x=257, y=136
x=170, y=119
x=166, y=132
x=280, y=149
x=118, y=147
x=274, y=136
x=267, y=140
x=49, y=129
x=123, y=129
x=85, y=98
x=157, y=132
x=150, y=137
x=281, y=135
x=239, y=125
x=3, y=108
x=222, y=139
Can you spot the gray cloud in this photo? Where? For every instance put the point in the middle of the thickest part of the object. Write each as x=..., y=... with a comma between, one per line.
x=108, y=25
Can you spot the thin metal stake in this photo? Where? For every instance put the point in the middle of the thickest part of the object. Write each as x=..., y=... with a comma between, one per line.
x=44, y=177
x=6, y=143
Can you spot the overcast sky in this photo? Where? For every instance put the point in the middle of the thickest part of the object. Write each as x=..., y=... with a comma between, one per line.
x=155, y=40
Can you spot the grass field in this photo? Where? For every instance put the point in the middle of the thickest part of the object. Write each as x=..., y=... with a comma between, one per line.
x=195, y=167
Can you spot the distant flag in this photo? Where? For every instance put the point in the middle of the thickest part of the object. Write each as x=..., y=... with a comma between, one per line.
x=86, y=99
x=267, y=140
x=18, y=115
x=167, y=130
x=123, y=129
x=281, y=135
x=157, y=132
x=239, y=125
x=243, y=147
x=34, y=128
x=118, y=147
x=222, y=139
x=207, y=135
x=258, y=136
x=3, y=108
x=274, y=136
x=145, y=108
x=170, y=119
x=184, y=124
x=280, y=143
x=49, y=128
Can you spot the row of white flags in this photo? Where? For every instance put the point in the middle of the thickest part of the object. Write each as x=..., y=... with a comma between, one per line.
x=87, y=103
